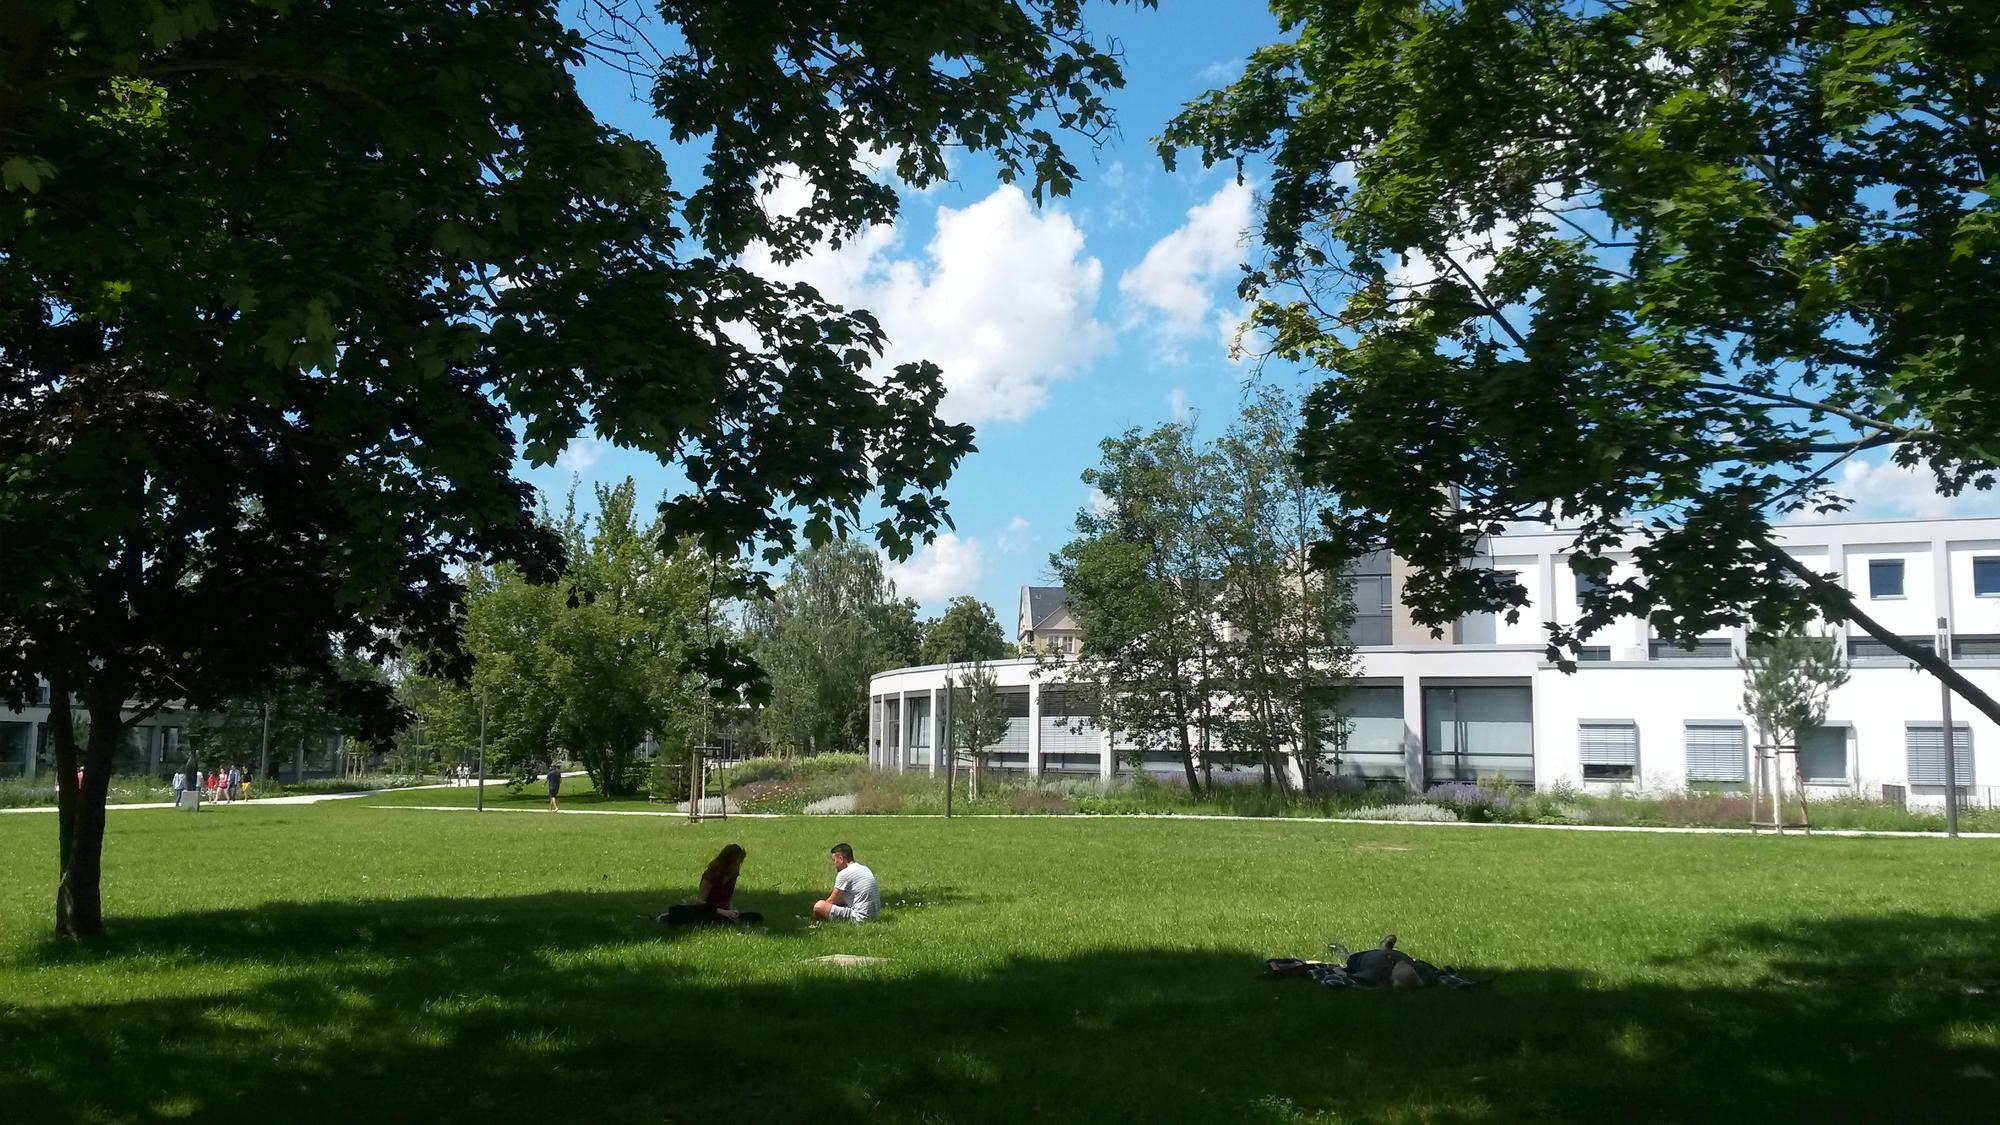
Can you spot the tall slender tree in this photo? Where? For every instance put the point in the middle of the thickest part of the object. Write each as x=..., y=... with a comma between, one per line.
x=978, y=716
x=835, y=621
x=1287, y=650
x=1143, y=582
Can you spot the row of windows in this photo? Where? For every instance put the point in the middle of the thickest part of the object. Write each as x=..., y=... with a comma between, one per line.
x=1885, y=577
x=1720, y=752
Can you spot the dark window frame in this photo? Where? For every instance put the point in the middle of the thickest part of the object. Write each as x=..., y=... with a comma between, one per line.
x=1986, y=567
x=1878, y=567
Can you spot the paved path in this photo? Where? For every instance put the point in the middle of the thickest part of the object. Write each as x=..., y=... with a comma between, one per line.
x=260, y=802
x=316, y=798
x=682, y=815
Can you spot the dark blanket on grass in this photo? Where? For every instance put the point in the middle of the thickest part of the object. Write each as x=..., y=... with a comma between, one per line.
x=1370, y=968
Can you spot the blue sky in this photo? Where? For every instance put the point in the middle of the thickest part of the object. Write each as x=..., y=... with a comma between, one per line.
x=1060, y=325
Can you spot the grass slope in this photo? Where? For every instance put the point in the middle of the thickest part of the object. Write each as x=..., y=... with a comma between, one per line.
x=343, y=962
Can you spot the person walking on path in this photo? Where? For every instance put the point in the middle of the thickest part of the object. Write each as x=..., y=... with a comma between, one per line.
x=235, y=783
x=555, y=784
x=855, y=897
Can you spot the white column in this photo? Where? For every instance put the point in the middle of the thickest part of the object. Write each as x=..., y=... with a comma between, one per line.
x=1836, y=561
x=1941, y=578
x=935, y=721
x=1034, y=728
x=1104, y=754
x=1413, y=732
x=1550, y=608
x=902, y=730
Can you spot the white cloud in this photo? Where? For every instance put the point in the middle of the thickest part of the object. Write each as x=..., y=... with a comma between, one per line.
x=1003, y=299
x=1101, y=505
x=1474, y=254
x=1885, y=490
x=1177, y=402
x=1173, y=286
x=1229, y=70
x=581, y=453
x=942, y=568
x=1015, y=538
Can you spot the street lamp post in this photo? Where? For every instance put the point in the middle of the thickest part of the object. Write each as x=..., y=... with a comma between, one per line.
x=1950, y=738
x=482, y=751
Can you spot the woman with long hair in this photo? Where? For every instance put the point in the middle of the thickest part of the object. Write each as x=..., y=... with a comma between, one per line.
x=716, y=895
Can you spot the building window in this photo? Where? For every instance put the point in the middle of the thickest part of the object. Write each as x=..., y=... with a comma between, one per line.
x=1610, y=751
x=1593, y=652
x=1587, y=585
x=1823, y=756
x=1978, y=644
x=1924, y=743
x=1868, y=648
x=1371, y=594
x=1885, y=578
x=1986, y=576
x=1717, y=752
x=1703, y=648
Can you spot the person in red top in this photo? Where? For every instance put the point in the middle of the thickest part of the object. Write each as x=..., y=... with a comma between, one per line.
x=717, y=895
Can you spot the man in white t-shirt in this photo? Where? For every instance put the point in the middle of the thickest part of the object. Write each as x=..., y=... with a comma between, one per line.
x=855, y=897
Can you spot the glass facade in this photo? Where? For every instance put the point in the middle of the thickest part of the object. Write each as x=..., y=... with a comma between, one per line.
x=1475, y=732
x=917, y=731
x=1374, y=745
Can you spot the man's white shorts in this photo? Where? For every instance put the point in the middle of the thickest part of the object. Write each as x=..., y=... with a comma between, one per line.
x=842, y=913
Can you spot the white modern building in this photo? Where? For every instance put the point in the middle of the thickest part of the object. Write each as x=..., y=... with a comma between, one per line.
x=1637, y=714
x=153, y=746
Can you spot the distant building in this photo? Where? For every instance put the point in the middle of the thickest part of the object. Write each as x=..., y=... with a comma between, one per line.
x=153, y=747
x=1045, y=622
x=1638, y=714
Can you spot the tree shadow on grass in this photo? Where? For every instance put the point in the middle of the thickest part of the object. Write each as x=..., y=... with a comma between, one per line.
x=540, y=1007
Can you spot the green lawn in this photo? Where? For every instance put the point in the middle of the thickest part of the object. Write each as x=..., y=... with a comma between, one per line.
x=343, y=962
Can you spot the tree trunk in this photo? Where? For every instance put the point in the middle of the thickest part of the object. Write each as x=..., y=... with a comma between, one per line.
x=80, y=809
x=1839, y=605
x=1187, y=746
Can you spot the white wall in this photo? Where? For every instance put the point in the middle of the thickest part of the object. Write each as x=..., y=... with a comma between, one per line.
x=1877, y=703
x=1970, y=613
x=1916, y=612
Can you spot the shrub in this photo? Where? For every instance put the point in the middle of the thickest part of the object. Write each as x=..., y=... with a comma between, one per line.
x=667, y=780
x=1705, y=809
x=1414, y=811
x=877, y=798
x=1038, y=801
x=797, y=769
x=1471, y=801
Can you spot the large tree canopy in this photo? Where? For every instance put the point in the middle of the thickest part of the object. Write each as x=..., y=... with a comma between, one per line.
x=278, y=281
x=966, y=630
x=834, y=622
x=1658, y=268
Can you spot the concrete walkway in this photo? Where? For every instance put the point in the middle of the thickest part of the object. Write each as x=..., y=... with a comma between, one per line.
x=260, y=802
x=682, y=815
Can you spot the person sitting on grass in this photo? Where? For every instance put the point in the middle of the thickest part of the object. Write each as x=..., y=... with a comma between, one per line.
x=855, y=897
x=717, y=895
